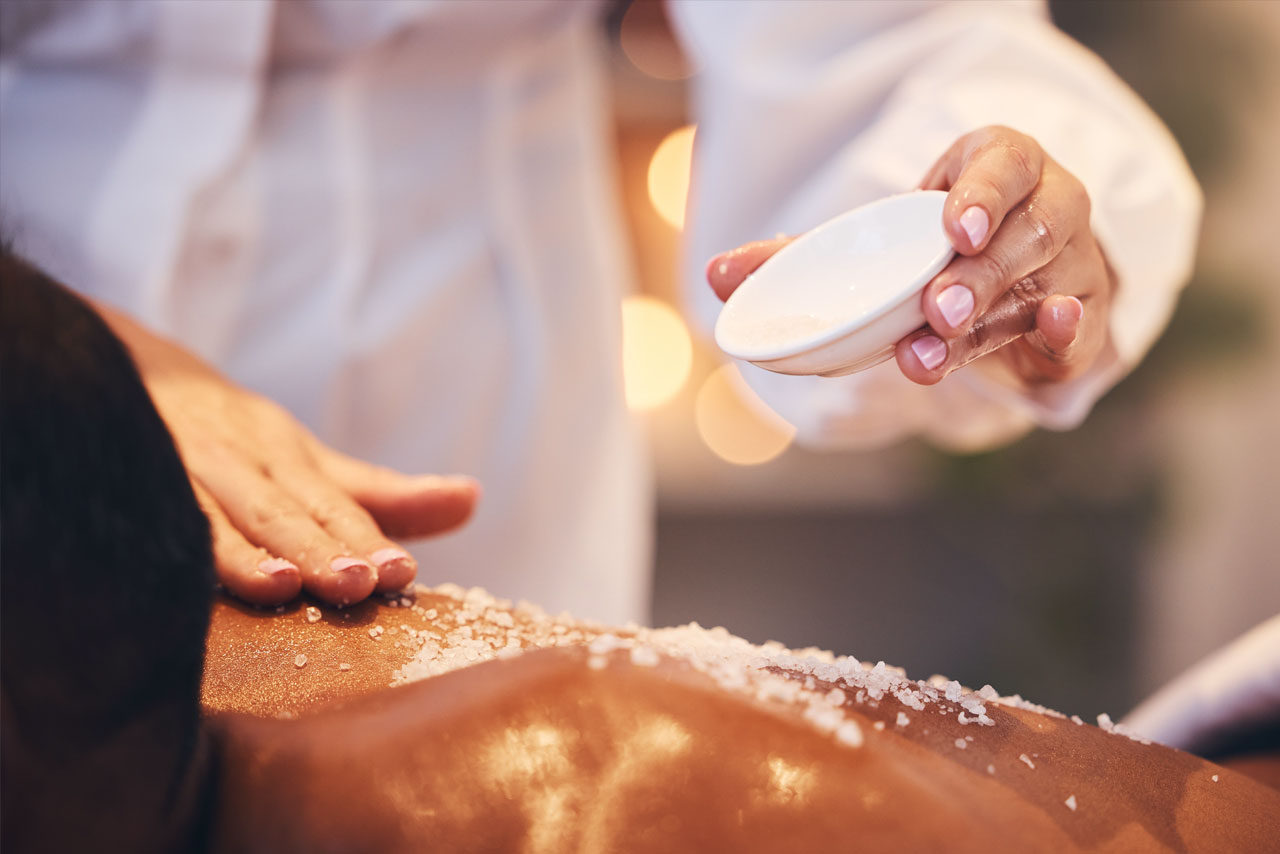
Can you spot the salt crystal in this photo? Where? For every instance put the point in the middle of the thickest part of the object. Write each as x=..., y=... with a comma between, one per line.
x=1214, y=778
x=344, y=666
x=604, y=643
x=1071, y=803
x=991, y=769
x=1027, y=759
x=822, y=716
x=849, y=733
x=313, y=614
x=644, y=656
x=961, y=743
x=953, y=691
x=1104, y=721
x=963, y=719
x=300, y=660
x=835, y=697
x=1077, y=720
x=986, y=692
x=432, y=613
x=903, y=720
x=597, y=662
x=878, y=726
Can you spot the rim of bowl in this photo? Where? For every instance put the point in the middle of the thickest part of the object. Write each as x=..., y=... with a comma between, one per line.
x=845, y=328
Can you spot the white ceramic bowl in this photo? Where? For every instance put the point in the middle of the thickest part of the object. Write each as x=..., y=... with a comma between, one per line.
x=837, y=299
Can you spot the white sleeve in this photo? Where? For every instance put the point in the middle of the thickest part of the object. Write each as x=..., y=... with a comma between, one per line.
x=806, y=109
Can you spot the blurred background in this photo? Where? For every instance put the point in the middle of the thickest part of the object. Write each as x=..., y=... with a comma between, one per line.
x=1079, y=569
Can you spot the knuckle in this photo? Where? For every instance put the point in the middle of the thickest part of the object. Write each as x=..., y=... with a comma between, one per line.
x=266, y=515
x=1049, y=233
x=328, y=511
x=1078, y=198
x=994, y=269
x=1023, y=167
x=1025, y=296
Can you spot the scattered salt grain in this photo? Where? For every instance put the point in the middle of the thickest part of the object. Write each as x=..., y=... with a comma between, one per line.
x=1105, y=722
x=991, y=769
x=961, y=744
x=1027, y=759
x=903, y=720
x=300, y=660
x=953, y=691
x=597, y=662
x=1071, y=803
x=313, y=614
x=878, y=726
x=835, y=697
x=1077, y=720
x=1214, y=778
x=824, y=717
x=432, y=613
x=604, y=644
x=849, y=733
x=644, y=656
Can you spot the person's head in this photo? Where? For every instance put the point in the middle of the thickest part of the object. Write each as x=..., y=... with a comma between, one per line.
x=106, y=579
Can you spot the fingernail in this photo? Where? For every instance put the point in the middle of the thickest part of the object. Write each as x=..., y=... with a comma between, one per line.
x=1068, y=311
x=383, y=557
x=346, y=564
x=275, y=566
x=445, y=481
x=717, y=265
x=956, y=304
x=975, y=224
x=930, y=351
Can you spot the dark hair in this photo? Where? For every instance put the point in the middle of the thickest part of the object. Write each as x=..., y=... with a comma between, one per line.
x=106, y=579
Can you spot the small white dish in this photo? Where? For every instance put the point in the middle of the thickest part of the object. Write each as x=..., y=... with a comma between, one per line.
x=837, y=299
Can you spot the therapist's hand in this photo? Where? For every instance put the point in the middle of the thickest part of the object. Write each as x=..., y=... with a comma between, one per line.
x=1029, y=285
x=286, y=512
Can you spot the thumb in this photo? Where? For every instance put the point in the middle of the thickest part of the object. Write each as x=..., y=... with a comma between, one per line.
x=726, y=271
x=1058, y=323
x=404, y=506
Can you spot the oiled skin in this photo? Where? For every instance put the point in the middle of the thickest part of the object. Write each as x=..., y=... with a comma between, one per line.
x=542, y=753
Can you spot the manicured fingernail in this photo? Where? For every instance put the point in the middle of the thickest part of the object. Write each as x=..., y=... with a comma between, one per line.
x=1068, y=311
x=275, y=566
x=930, y=351
x=445, y=481
x=717, y=265
x=956, y=304
x=383, y=557
x=975, y=224
x=346, y=564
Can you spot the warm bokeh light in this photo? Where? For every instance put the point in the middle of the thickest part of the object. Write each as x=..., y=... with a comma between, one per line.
x=732, y=427
x=657, y=352
x=669, y=175
x=650, y=45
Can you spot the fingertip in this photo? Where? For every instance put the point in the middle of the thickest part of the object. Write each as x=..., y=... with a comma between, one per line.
x=273, y=581
x=1058, y=321
x=396, y=568
x=348, y=580
x=728, y=270
x=922, y=358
